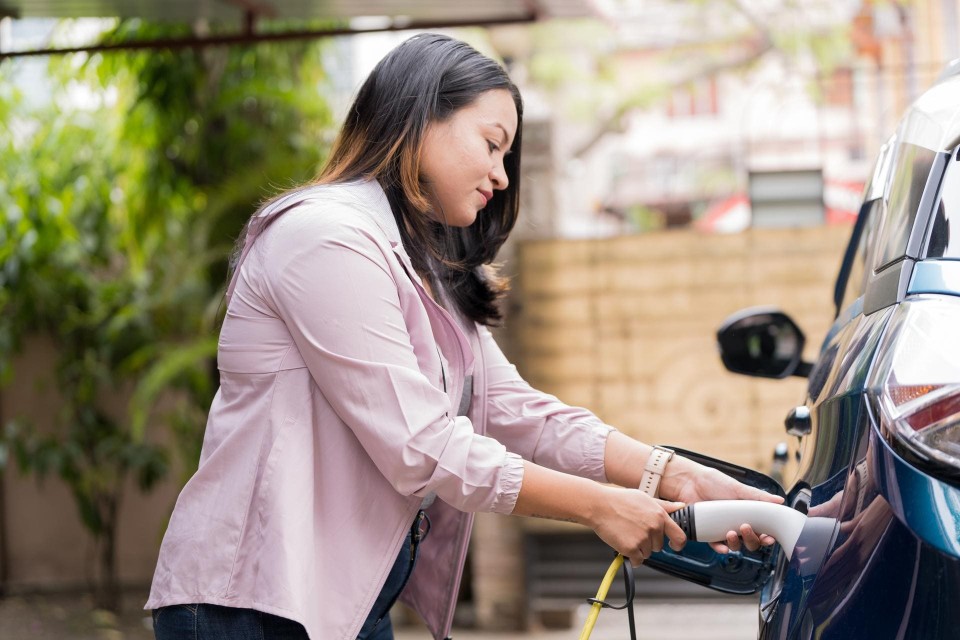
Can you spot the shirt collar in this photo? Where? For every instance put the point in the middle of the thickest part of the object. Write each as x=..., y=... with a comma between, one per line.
x=375, y=199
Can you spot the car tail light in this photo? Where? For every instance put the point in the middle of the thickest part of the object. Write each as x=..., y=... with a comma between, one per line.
x=915, y=385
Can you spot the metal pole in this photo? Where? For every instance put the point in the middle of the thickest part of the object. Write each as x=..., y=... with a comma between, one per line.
x=253, y=38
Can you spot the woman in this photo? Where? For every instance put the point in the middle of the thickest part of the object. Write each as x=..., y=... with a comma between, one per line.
x=363, y=402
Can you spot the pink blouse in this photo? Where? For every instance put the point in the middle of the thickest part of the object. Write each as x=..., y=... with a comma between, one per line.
x=333, y=420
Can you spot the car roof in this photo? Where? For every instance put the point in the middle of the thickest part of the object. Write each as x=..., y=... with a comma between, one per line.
x=933, y=120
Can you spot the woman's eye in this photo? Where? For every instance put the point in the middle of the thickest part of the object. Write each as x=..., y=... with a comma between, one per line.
x=493, y=146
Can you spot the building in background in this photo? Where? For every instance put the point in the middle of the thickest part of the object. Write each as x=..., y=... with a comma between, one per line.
x=658, y=117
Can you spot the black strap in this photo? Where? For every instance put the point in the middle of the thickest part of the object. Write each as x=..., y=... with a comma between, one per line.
x=417, y=532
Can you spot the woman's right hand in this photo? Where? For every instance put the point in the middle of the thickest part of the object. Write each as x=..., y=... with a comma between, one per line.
x=634, y=524
x=628, y=520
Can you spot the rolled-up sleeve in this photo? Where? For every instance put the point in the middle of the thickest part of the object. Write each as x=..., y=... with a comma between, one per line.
x=538, y=426
x=333, y=286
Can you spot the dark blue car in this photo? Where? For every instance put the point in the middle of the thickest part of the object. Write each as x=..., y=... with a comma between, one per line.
x=879, y=433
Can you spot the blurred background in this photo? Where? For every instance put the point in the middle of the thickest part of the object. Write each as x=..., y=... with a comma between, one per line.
x=683, y=159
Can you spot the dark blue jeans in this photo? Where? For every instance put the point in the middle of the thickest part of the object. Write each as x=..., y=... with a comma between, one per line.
x=213, y=622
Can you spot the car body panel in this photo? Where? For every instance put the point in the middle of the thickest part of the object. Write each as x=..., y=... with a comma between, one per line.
x=839, y=421
x=882, y=580
x=933, y=120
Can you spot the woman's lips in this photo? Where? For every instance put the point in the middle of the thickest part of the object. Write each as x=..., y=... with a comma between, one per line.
x=487, y=195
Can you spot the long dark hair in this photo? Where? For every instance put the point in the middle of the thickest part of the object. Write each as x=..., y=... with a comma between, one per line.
x=426, y=79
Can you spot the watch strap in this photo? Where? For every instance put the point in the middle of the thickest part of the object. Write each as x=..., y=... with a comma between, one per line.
x=653, y=471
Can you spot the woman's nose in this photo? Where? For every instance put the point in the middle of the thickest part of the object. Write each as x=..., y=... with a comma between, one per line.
x=498, y=176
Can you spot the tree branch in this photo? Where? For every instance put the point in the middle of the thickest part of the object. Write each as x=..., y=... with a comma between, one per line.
x=615, y=122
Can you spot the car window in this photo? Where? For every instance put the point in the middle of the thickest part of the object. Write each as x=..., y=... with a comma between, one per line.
x=910, y=172
x=852, y=277
x=944, y=240
x=865, y=237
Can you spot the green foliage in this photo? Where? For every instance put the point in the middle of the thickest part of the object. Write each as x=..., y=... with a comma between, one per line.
x=119, y=210
x=645, y=218
x=574, y=53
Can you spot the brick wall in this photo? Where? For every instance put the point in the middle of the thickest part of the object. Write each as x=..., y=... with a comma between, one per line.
x=626, y=327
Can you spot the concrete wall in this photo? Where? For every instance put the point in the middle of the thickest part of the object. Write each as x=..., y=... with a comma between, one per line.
x=47, y=546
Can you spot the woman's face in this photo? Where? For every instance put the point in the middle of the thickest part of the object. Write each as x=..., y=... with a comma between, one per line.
x=462, y=157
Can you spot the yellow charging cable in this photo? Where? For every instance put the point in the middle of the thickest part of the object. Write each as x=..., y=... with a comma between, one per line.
x=601, y=595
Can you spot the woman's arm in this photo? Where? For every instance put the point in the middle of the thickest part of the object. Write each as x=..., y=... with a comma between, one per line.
x=536, y=425
x=628, y=520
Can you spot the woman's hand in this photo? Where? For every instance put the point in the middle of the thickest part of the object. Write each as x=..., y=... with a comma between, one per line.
x=635, y=524
x=685, y=481
x=628, y=520
x=690, y=482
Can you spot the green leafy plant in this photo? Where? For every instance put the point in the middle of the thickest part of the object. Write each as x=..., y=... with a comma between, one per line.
x=118, y=213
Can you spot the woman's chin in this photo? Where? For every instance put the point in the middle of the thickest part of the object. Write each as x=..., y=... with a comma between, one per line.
x=463, y=220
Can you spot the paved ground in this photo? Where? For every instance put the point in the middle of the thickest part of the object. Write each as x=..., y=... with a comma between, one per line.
x=69, y=618
x=65, y=617
x=676, y=620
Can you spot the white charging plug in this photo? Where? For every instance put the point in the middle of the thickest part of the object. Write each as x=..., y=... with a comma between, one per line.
x=710, y=521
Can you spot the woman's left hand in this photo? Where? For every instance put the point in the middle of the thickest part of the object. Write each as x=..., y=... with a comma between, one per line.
x=702, y=483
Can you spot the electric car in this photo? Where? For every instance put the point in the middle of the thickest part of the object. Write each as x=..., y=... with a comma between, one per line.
x=879, y=431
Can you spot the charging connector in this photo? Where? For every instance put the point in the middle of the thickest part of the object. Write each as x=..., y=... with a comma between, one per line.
x=710, y=521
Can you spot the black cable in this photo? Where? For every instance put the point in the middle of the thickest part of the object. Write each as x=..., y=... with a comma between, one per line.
x=631, y=587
